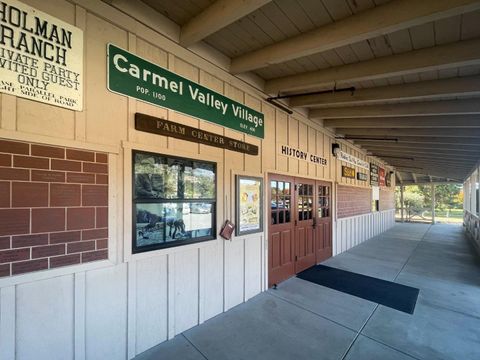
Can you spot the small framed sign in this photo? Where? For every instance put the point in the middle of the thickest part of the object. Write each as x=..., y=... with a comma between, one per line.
x=249, y=212
x=362, y=176
x=373, y=174
x=381, y=176
x=348, y=172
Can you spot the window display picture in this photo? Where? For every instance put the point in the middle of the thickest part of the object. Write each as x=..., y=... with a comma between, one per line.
x=249, y=214
x=174, y=201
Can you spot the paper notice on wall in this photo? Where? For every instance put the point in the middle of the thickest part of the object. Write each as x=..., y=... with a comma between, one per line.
x=41, y=57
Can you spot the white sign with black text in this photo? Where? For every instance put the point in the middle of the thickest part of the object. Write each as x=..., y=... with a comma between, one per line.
x=41, y=57
x=289, y=151
x=343, y=156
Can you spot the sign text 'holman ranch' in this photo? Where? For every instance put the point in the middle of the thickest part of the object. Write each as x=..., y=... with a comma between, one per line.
x=298, y=154
x=133, y=76
x=41, y=57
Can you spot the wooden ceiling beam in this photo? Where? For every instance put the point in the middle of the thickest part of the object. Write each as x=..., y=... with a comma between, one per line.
x=398, y=155
x=419, y=146
x=380, y=20
x=415, y=152
x=393, y=132
x=462, y=53
x=424, y=163
x=459, y=121
x=432, y=89
x=217, y=16
x=427, y=108
x=440, y=172
x=434, y=140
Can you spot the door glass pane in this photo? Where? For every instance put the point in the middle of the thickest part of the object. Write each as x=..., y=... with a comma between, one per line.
x=281, y=218
x=274, y=217
x=280, y=187
x=300, y=208
x=287, y=216
x=310, y=190
x=287, y=188
x=273, y=189
x=287, y=202
x=273, y=204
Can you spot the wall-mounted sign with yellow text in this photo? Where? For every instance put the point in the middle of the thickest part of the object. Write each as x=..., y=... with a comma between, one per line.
x=41, y=57
x=348, y=172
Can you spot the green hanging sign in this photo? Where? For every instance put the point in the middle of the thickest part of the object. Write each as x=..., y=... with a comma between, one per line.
x=133, y=76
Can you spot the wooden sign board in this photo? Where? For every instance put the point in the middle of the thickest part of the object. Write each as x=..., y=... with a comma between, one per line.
x=381, y=176
x=362, y=176
x=164, y=127
x=348, y=172
x=373, y=174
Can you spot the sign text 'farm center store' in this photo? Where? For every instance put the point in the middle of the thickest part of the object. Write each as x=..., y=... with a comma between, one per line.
x=133, y=76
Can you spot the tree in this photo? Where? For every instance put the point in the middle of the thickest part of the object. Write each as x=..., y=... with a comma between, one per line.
x=445, y=195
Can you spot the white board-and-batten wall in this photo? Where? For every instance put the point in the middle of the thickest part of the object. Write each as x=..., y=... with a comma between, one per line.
x=119, y=308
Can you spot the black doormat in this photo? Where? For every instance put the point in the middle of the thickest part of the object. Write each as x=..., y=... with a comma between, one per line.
x=393, y=295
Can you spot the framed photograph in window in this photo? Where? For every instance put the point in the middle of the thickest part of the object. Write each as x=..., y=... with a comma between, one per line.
x=174, y=201
x=249, y=208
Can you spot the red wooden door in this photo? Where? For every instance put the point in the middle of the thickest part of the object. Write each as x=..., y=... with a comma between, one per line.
x=281, y=244
x=304, y=224
x=323, y=221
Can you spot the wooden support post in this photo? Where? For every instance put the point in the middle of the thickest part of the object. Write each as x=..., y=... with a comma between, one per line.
x=433, y=203
x=401, y=203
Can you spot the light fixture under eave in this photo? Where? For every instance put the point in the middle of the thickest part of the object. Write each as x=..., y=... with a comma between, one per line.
x=280, y=106
x=335, y=149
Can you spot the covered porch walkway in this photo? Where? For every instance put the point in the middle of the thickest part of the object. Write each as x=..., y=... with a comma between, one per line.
x=302, y=320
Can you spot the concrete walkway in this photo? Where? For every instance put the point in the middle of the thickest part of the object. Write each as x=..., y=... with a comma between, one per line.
x=302, y=320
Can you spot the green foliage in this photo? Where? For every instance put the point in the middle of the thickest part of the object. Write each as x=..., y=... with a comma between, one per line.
x=416, y=197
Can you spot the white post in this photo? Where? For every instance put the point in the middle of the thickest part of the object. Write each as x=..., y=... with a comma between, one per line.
x=401, y=203
x=433, y=203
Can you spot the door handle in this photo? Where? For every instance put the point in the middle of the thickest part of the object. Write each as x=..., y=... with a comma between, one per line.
x=314, y=222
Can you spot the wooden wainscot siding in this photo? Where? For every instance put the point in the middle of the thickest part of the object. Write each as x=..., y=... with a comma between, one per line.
x=53, y=207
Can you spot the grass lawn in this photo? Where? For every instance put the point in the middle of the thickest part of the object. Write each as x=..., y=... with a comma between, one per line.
x=443, y=216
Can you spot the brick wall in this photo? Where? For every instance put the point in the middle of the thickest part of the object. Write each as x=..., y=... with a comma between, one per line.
x=53, y=207
x=387, y=199
x=353, y=201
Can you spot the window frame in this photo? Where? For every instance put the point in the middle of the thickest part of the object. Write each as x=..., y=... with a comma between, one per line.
x=135, y=201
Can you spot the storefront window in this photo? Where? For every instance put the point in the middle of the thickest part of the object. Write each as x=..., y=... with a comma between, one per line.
x=174, y=201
